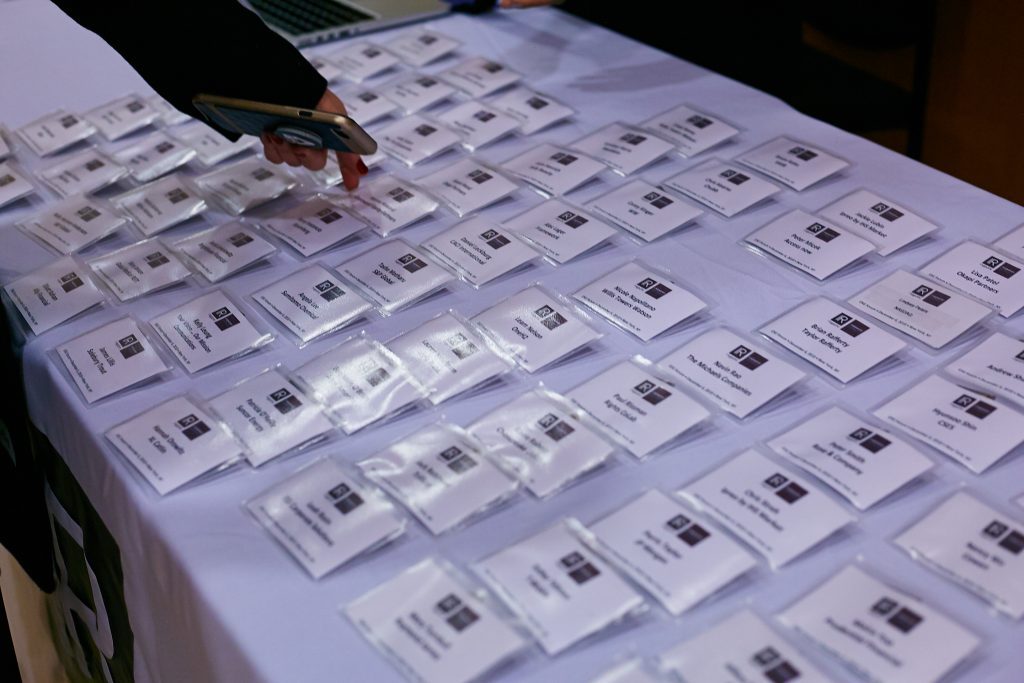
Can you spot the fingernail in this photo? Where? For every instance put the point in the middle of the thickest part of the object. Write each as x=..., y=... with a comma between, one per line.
x=363, y=168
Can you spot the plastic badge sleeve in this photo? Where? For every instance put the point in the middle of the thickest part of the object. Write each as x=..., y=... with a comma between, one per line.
x=394, y=275
x=415, y=138
x=54, y=132
x=161, y=204
x=14, y=183
x=141, y=268
x=691, y=130
x=246, y=184
x=468, y=185
x=479, y=251
x=73, y=224
x=122, y=116
x=224, y=250
x=316, y=224
x=211, y=147
x=389, y=204
x=560, y=231
x=534, y=110
x=53, y=294
x=153, y=156
x=82, y=172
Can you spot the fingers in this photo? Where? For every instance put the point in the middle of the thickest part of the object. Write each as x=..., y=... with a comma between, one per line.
x=277, y=151
x=352, y=167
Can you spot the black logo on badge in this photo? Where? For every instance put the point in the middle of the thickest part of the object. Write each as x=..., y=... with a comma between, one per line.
x=412, y=263
x=868, y=440
x=458, y=461
x=6, y=179
x=68, y=120
x=368, y=97
x=88, y=213
x=328, y=215
x=698, y=121
x=427, y=39
x=1000, y=267
x=887, y=212
x=70, y=282
x=192, y=427
x=479, y=176
x=262, y=174
x=176, y=196
x=651, y=392
x=458, y=615
x=848, y=324
x=156, y=259
x=329, y=291
x=577, y=567
x=239, y=239
x=821, y=232
x=775, y=668
x=130, y=346
x=734, y=177
x=224, y=319
x=371, y=52
x=748, y=358
x=549, y=317
x=344, y=499
x=1007, y=538
x=492, y=67
x=653, y=288
x=134, y=106
x=424, y=130
x=787, y=490
x=901, y=618
x=494, y=239
x=564, y=158
x=657, y=200
x=686, y=530
x=930, y=296
x=536, y=103
x=974, y=407
x=573, y=220
x=633, y=138
x=94, y=164
x=400, y=194
x=285, y=401
x=426, y=82
x=554, y=427
x=484, y=116
x=803, y=153
x=164, y=146
x=461, y=346
x=376, y=376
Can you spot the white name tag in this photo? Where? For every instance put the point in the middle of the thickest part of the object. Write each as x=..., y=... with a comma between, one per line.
x=480, y=250
x=417, y=92
x=122, y=116
x=554, y=170
x=635, y=670
x=324, y=518
x=644, y=210
x=14, y=185
x=479, y=77
x=153, y=156
x=73, y=224
x=413, y=139
x=246, y=184
x=369, y=106
x=794, y=164
x=981, y=272
x=1012, y=242
x=48, y=296
x=389, y=204
x=169, y=115
x=422, y=47
x=207, y=330
x=976, y=546
x=434, y=627
x=919, y=308
x=363, y=60
x=740, y=649
x=314, y=225
x=312, y=302
x=560, y=230
x=969, y=427
x=674, y=555
x=691, y=131
x=536, y=328
x=833, y=338
x=561, y=590
x=887, y=225
x=110, y=358
x=211, y=147
x=534, y=111
x=729, y=370
x=224, y=250
x=467, y=186
x=996, y=364
x=479, y=124
x=880, y=631
x=640, y=300
x=139, y=268
x=539, y=437
x=809, y=244
x=174, y=443
x=440, y=475
x=623, y=148
x=82, y=173
x=161, y=204
x=55, y=132
x=858, y=460
x=780, y=514
x=724, y=187
x=326, y=68
x=395, y=274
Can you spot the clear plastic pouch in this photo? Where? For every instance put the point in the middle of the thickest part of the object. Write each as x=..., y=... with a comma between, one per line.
x=479, y=76
x=362, y=60
x=169, y=115
x=417, y=92
x=796, y=164
x=553, y=170
x=246, y=184
x=394, y=275
x=153, y=156
x=161, y=204
x=691, y=130
x=480, y=251
x=211, y=147
x=73, y=224
x=560, y=230
x=645, y=211
x=535, y=111
x=326, y=68
x=369, y=106
x=467, y=186
x=122, y=116
x=138, y=269
x=54, y=294
x=224, y=250
x=415, y=138
x=81, y=173
x=420, y=47
x=887, y=225
x=54, y=132
x=389, y=204
x=14, y=183
x=316, y=224
x=478, y=123
x=624, y=148
x=722, y=186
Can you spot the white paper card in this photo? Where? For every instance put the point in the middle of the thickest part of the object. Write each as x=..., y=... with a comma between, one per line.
x=535, y=328
x=479, y=77
x=887, y=225
x=996, y=364
x=314, y=225
x=417, y=48
x=467, y=186
x=395, y=274
x=110, y=358
x=311, y=302
x=879, y=632
x=729, y=370
x=561, y=590
x=479, y=250
x=13, y=184
x=169, y=115
x=632, y=671
x=780, y=514
x=541, y=440
x=417, y=92
x=560, y=230
x=173, y=443
x=139, y=268
x=207, y=330
x=968, y=426
x=552, y=169
x=369, y=106
x=981, y=272
x=326, y=68
x=433, y=628
x=440, y=475
x=48, y=296
x=1012, y=242
x=224, y=250
x=533, y=110
x=122, y=116
x=858, y=460
x=724, y=187
x=920, y=308
x=211, y=147
x=246, y=184
x=674, y=555
x=691, y=131
x=644, y=210
x=54, y=132
x=833, y=338
x=794, y=164
x=447, y=357
x=976, y=546
x=324, y=517
x=809, y=244
x=625, y=149
x=414, y=138
x=161, y=204
x=389, y=204
x=478, y=124
x=82, y=172
x=638, y=409
x=640, y=300
x=740, y=649
x=73, y=224
x=363, y=60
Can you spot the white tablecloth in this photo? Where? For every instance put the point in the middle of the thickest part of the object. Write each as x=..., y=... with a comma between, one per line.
x=211, y=597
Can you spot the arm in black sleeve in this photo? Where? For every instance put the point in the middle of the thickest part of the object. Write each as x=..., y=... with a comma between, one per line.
x=186, y=47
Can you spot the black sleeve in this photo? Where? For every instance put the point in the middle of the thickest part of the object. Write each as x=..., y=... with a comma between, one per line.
x=185, y=47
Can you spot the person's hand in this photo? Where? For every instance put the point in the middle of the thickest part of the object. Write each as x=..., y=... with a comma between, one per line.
x=278, y=151
x=523, y=4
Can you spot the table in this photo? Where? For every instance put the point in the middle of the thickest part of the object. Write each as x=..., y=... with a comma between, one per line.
x=211, y=597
